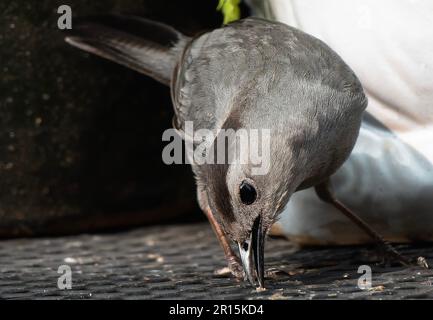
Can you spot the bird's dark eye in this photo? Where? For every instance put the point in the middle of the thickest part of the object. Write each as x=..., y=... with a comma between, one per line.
x=248, y=193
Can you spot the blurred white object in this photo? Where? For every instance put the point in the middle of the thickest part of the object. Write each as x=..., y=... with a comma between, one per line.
x=388, y=180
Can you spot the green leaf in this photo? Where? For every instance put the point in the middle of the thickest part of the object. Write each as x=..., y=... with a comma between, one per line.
x=230, y=10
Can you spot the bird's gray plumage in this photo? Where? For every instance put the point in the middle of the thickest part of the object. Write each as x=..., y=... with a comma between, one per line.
x=258, y=74
x=255, y=58
x=251, y=74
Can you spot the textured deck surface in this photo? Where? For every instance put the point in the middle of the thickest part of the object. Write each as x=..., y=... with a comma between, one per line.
x=178, y=262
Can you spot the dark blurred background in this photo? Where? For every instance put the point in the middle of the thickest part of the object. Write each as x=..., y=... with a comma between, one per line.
x=80, y=137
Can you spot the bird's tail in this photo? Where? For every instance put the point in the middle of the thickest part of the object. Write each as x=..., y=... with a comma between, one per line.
x=144, y=45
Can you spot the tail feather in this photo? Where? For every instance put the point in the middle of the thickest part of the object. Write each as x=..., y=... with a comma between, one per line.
x=149, y=47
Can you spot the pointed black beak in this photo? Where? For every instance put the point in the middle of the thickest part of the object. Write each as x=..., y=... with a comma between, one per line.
x=255, y=245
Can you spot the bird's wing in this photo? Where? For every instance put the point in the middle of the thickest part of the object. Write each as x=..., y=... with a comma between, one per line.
x=225, y=71
x=215, y=75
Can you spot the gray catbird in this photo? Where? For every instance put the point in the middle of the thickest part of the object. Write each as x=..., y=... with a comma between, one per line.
x=251, y=74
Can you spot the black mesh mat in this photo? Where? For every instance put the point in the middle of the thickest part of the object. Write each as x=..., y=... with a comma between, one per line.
x=179, y=262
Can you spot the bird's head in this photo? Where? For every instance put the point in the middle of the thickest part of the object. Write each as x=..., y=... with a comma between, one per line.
x=246, y=197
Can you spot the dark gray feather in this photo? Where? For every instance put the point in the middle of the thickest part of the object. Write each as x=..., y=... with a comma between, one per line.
x=146, y=46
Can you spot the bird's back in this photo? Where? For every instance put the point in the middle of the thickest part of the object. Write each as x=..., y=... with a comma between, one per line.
x=263, y=65
x=269, y=75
